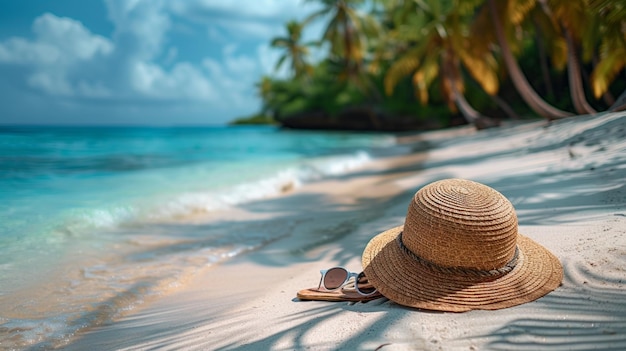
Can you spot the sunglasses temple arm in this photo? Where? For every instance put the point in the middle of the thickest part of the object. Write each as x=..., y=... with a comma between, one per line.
x=320, y=284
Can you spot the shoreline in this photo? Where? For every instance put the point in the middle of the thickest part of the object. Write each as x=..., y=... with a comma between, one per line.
x=565, y=178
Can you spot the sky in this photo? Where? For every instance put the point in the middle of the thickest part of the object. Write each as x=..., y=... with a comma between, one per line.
x=139, y=62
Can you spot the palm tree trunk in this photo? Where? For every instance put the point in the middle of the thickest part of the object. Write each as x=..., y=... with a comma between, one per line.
x=577, y=90
x=520, y=82
x=451, y=73
x=470, y=114
x=504, y=106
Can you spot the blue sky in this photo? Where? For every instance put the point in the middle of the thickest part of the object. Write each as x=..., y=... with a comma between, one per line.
x=138, y=62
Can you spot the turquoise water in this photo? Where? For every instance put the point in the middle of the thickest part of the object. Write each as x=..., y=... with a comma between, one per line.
x=88, y=216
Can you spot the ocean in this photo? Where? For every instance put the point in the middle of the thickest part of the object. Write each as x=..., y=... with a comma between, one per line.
x=92, y=218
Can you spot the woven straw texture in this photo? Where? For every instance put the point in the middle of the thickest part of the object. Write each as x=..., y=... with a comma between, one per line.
x=459, y=250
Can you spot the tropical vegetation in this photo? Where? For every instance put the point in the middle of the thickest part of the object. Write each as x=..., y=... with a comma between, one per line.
x=416, y=64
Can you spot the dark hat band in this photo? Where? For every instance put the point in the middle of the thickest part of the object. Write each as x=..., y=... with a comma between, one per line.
x=460, y=270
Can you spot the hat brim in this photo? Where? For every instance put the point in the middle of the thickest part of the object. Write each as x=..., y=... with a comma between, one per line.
x=406, y=281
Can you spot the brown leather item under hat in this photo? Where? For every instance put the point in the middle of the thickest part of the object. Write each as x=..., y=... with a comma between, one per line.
x=459, y=250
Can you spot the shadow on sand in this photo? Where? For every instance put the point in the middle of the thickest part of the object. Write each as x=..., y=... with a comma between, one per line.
x=585, y=315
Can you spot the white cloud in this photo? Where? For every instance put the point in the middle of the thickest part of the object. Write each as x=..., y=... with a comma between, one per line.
x=183, y=82
x=139, y=62
x=61, y=45
x=58, y=41
x=260, y=9
x=140, y=26
x=70, y=37
x=235, y=78
x=244, y=18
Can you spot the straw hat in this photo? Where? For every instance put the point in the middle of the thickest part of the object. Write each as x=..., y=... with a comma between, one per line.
x=459, y=250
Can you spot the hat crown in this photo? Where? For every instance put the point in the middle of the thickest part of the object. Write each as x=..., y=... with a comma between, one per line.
x=461, y=223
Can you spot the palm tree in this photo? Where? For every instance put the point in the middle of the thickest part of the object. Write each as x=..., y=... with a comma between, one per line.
x=294, y=51
x=438, y=43
x=346, y=32
x=526, y=91
x=589, y=26
x=572, y=17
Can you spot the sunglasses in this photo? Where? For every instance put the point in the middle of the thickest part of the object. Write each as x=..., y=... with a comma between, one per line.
x=338, y=277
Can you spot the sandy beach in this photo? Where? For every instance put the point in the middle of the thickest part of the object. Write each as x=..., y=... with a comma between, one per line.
x=566, y=180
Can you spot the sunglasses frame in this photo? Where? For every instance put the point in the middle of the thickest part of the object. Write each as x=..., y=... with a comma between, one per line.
x=349, y=276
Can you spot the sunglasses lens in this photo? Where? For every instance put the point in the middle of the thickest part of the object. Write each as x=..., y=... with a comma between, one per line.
x=335, y=277
x=363, y=285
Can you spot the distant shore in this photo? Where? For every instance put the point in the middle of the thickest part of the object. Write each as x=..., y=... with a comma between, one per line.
x=565, y=179
x=355, y=119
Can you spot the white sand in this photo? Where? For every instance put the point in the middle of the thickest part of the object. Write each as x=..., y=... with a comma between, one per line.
x=566, y=180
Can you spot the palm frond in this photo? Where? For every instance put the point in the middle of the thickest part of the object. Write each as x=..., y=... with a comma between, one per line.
x=517, y=10
x=279, y=42
x=280, y=62
x=612, y=61
x=423, y=78
x=401, y=68
x=483, y=69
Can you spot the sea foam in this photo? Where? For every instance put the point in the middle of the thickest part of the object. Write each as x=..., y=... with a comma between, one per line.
x=180, y=206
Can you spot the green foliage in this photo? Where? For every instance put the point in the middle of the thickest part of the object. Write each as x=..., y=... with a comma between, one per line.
x=254, y=119
x=409, y=57
x=321, y=92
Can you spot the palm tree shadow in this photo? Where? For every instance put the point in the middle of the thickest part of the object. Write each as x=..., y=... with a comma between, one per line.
x=300, y=325
x=568, y=196
x=589, y=312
